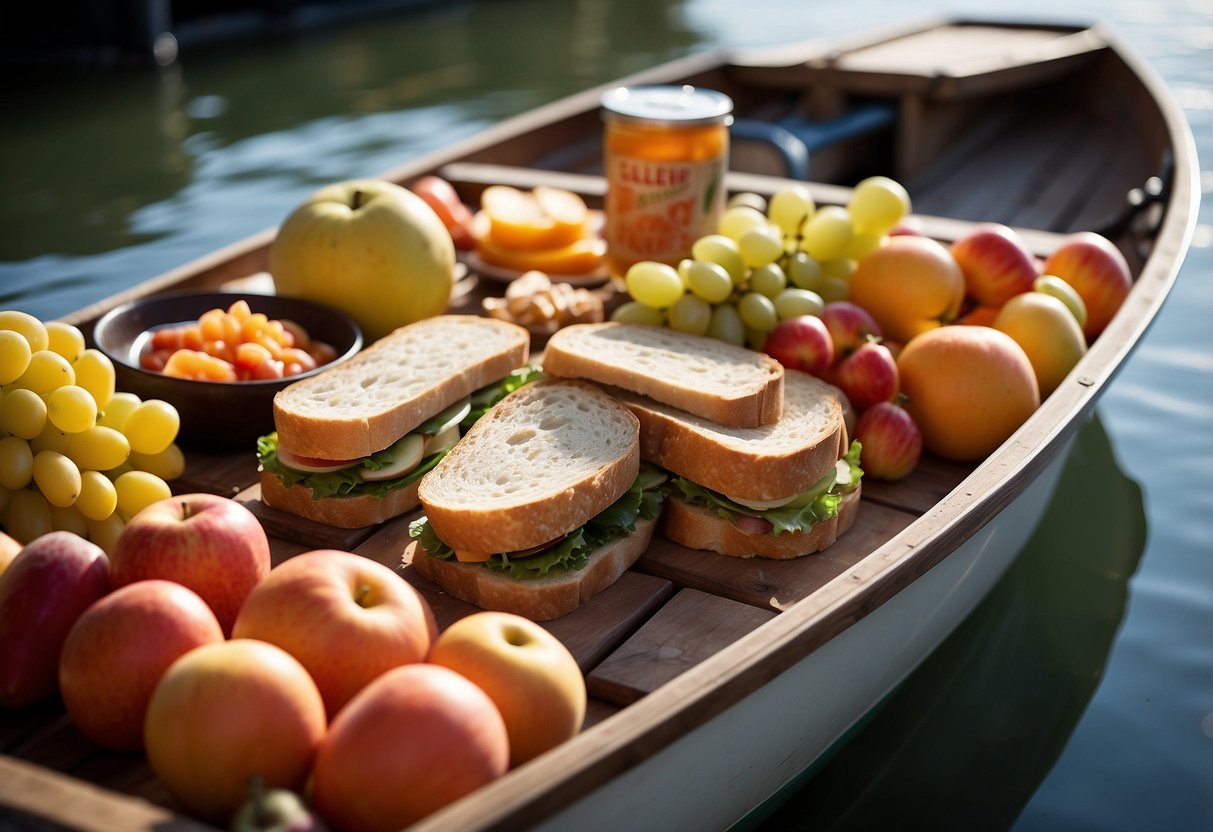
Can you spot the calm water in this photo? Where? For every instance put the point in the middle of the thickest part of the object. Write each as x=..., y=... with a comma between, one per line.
x=1079, y=696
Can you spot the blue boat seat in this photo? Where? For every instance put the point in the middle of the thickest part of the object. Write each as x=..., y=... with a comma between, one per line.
x=795, y=138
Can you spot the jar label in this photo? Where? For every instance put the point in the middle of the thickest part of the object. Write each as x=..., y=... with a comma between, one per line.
x=657, y=210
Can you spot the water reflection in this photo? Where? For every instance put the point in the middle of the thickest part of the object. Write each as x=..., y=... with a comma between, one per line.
x=967, y=739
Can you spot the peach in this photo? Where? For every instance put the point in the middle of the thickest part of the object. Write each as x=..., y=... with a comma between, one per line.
x=1097, y=271
x=1048, y=333
x=968, y=388
x=909, y=286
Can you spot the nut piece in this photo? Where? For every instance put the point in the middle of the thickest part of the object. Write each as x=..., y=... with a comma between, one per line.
x=534, y=301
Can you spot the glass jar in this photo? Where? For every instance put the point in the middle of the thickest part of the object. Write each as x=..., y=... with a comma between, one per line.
x=666, y=151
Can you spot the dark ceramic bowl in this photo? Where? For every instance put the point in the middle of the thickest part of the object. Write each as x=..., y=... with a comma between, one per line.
x=214, y=414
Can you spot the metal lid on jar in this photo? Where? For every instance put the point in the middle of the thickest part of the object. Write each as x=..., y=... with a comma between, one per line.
x=669, y=104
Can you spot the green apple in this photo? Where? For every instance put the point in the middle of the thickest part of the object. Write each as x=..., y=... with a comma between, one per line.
x=370, y=248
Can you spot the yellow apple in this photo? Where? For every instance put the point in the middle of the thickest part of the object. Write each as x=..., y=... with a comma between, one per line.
x=527, y=672
x=370, y=248
x=1049, y=334
x=909, y=286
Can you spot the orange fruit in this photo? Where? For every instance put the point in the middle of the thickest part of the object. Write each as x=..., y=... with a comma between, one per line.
x=968, y=389
x=582, y=256
x=544, y=218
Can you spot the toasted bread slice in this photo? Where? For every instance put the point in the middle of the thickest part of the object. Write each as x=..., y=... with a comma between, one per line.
x=697, y=528
x=539, y=599
x=728, y=384
x=365, y=404
x=768, y=462
x=543, y=461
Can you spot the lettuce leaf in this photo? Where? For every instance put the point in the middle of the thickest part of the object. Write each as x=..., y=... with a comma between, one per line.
x=618, y=520
x=486, y=397
x=820, y=502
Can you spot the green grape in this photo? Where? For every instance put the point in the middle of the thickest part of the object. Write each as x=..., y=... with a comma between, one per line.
x=803, y=271
x=69, y=519
x=726, y=324
x=28, y=515
x=95, y=373
x=862, y=245
x=792, y=303
x=14, y=355
x=51, y=439
x=139, y=489
x=748, y=199
x=656, y=285
x=98, y=497
x=64, y=339
x=790, y=209
x=768, y=280
x=755, y=339
x=877, y=204
x=838, y=267
x=105, y=532
x=690, y=314
x=721, y=250
x=22, y=413
x=1053, y=285
x=736, y=221
x=153, y=425
x=16, y=462
x=760, y=245
x=826, y=235
x=71, y=409
x=634, y=312
x=709, y=281
x=757, y=312
x=835, y=289
x=117, y=409
x=167, y=465
x=57, y=477
x=683, y=266
x=99, y=448
x=47, y=371
x=27, y=326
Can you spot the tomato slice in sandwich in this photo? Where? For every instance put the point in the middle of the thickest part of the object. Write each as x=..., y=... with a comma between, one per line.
x=312, y=464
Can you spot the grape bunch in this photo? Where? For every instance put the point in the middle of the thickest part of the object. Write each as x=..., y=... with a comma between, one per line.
x=74, y=454
x=767, y=261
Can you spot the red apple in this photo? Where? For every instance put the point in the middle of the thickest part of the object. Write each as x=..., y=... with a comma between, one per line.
x=50, y=583
x=849, y=326
x=118, y=650
x=226, y=712
x=9, y=547
x=315, y=606
x=440, y=195
x=414, y=740
x=1097, y=270
x=213, y=545
x=528, y=673
x=891, y=441
x=868, y=375
x=801, y=343
x=995, y=263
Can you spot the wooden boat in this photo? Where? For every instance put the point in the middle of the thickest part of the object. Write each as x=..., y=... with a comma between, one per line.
x=716, y=682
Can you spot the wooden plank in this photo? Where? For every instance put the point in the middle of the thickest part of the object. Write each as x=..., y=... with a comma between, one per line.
x=213, y=472
x=931, y=481
x=692, y=627
x=774, y=584
x=300, y=530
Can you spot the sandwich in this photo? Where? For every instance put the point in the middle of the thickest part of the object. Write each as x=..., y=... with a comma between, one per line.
x=543, y=504
x=710, y=378
x=352, y=443
x=778, y=491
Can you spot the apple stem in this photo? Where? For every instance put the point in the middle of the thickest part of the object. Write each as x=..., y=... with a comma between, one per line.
x=256, y=787
x=186, y=512
x=356, y=201
x=361, y=593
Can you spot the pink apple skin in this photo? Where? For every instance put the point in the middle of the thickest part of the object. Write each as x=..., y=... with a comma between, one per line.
x=50, y=583
x=891, y=441
x=318, y=605
x=995, y=264
x=849, y=326
x=868, y=376
x=1097, y=271
x=801, y=343
x=118, y=650
x=213, y=545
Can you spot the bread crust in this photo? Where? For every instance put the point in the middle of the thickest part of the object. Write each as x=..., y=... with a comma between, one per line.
x=342, y=512
x=697, y=528
x=468, y=525
x=306, y=427
x=539, y=599
x=583, y=351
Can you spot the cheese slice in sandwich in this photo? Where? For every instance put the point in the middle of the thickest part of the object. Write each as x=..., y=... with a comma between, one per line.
x=351, y=444
x=542, y=505
x=778, y=491
x=719, y=381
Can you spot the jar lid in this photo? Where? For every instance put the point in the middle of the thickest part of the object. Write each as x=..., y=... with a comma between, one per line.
x=671, y=104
